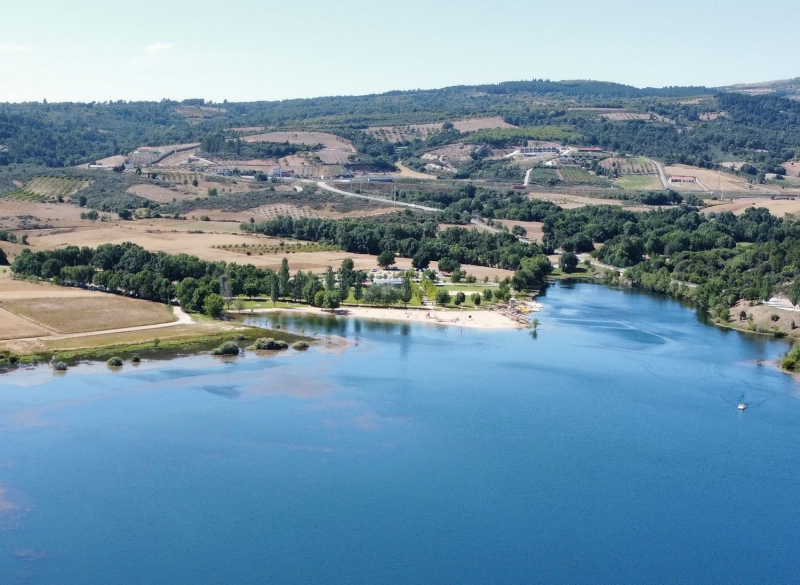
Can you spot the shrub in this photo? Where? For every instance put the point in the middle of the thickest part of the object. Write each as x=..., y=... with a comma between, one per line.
x=774, y=317
x=60, y=367
x=114, y=362
x=300, y=345
x=136, y=359
x=227, y=348
x=268, y=343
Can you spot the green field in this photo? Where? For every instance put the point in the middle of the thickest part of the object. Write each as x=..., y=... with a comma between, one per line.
x=639, y=182
x=579, y=176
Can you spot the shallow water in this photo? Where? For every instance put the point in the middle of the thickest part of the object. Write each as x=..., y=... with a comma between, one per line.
x=606, y=449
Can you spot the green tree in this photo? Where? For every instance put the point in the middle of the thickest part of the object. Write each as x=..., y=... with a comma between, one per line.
x=283, y=277
x=532, y=272
x=213, y=305
x=568, y=262
x=3, y=258
x=476, y=299
x=487, y=294
x=330, y=279
x=274, y=292
x=406, y=290
x=443, y=297
x=447, y=264
x=330, y=300
x=386, y=259
x=794, y=292
x=358, y=290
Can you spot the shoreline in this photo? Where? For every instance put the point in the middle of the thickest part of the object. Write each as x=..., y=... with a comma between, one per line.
x=486, y=320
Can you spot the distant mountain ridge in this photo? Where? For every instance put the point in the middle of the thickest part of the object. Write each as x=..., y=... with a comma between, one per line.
x=788, y=88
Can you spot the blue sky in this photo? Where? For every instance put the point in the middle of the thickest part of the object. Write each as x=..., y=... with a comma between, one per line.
x=252, y=50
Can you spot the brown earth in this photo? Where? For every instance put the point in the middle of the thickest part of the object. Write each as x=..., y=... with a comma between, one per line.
x=472, y=124
x=570, y=201
x=777, y=207
x=535, y=228
x=29, y=309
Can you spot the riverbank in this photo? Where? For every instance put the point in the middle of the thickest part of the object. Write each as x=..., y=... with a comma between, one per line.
x=471, y=319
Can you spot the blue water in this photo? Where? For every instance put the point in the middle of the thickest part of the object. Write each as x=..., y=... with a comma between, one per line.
x=607, y=448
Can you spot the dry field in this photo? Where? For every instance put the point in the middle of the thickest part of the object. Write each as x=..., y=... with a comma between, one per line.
x=411, y=173
x=396, y=134
x=47, y=188
x=570, y=201
x=631, y=166
x=15, y=327
x=711, y=179
x=625, y=116
x=248, y=129
x=29, y=309
x=535, y=228
x=200, y=112
x=622, y=116
x=111, y=161
x=158, y=194
x=155, y=235
x=330, y=156
x=451, y=153
x=422, y=131
x=792, y=168
x=16, y=214
x=89, y=313
x=178, y=159
x=310, y=138
x=472, y=124
x=777, y=207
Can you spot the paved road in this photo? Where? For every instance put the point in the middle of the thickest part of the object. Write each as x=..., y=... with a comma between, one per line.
x=661, y=174
x=324, y=185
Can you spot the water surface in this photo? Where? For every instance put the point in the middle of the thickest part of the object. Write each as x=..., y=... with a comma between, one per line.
x=606, y=449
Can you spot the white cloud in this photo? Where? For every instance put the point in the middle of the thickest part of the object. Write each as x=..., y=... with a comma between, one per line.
x=14, y=48
x=156, y=47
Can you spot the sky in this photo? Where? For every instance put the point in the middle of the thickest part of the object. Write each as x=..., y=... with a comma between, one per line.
x=246, y=50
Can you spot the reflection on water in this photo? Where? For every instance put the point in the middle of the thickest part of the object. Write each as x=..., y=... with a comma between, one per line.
x=607, y=443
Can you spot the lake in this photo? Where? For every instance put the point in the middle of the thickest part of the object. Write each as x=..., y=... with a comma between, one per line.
x=606, y=448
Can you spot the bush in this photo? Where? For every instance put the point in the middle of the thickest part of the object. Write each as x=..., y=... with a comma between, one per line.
x=774, y=317
x=136, y=359
x=300, y=345
x=268, y=343
x=114, y=362
x=227, y=348
x=60, y=367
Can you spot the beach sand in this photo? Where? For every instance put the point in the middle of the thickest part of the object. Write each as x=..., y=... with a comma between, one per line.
x=471, y=319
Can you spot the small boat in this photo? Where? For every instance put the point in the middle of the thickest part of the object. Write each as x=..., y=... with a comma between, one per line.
x=741, y=406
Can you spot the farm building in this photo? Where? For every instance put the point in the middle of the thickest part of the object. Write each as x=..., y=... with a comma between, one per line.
x=533, y=150
x=590, y=149
x=682, y=179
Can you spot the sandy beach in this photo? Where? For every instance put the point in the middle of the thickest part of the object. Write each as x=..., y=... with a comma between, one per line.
x=471, y=319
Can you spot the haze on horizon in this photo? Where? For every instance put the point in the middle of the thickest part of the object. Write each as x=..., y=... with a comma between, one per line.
x=246, y=50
